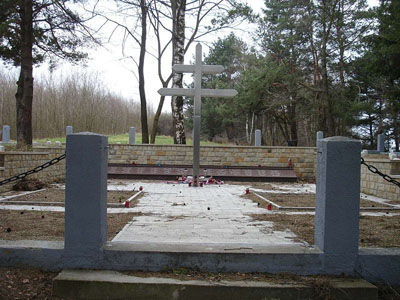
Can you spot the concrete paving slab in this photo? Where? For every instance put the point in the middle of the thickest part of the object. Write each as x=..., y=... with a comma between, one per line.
x=179, y=214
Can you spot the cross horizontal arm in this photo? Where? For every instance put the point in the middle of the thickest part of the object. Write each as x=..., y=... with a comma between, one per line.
x=205, y=69
x=228, y=93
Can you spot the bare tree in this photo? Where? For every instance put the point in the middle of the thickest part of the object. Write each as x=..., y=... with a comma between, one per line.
x=130, y=16
x=190, y=22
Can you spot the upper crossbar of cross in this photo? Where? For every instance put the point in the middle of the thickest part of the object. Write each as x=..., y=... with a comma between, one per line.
x=198, y=69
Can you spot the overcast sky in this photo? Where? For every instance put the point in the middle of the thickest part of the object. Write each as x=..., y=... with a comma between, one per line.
x=119, y=74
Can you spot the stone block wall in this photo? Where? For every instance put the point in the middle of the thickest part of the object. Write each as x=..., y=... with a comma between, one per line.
x=303, y=158
x=374, y=184
x=15, y=162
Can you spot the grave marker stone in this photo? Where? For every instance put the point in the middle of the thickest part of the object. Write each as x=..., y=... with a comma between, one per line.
x=6, y=134
x=320, y=136
x=257, y=139
x=68, y=130
x=132, y=135
x=381, y=143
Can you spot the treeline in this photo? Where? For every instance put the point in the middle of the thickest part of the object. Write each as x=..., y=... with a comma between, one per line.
x=330, y=66
x=78, y=99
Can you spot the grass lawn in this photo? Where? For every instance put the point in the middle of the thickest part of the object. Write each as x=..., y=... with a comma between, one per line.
x=124, y=139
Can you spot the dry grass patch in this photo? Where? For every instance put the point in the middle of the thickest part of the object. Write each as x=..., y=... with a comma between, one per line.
x=374, y=231
x=49, y=226
x=26, y=284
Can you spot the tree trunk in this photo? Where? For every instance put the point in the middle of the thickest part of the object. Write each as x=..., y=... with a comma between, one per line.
x=178, y=54
x=327, y=122
x=24, y=93
x=340, y=39
x=143, y=105
x=155, y=121
x=293, y=123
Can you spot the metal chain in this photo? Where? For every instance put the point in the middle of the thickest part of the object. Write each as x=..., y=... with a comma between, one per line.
x=35, y=170
x=374, y=170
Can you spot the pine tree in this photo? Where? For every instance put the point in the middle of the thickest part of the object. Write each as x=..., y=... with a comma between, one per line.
x=32, y=31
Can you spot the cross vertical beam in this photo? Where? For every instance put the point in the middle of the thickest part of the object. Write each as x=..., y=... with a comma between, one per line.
x=196, y=115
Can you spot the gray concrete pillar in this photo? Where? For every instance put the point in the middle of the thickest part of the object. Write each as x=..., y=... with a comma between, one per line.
x=257, y=139
x=85, y=199
x=338, y=202
x=381, y=143
x=320, y=136
x=6, y=134
x=68, y=130
x=132, y=135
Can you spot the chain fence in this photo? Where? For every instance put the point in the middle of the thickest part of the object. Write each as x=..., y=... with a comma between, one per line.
x=374, y=170
x=35, y=170
x=49, y=163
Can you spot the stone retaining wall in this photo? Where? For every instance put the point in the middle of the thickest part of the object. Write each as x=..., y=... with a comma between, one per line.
x=15, y=162
x=374, y=184
x=303, y=158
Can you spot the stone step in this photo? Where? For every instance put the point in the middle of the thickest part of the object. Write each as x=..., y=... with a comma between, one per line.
x=84, y=284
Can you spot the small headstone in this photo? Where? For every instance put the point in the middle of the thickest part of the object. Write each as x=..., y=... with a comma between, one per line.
x=6, y=134
x=320, y=136
x=68, y=130
x=257, y=140
x=58, y=143
x=381, y=143
x=132, y=135
x=48, y=142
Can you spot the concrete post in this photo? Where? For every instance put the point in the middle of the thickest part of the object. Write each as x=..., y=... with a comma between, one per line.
x=85, y=199
x=257, y=139
x=132, y=135
x=6, y=134
x=320, y=136
x=68, y=130
x=338, y=202
x=381, y=143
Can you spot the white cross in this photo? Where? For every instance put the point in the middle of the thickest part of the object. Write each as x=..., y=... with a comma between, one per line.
x=198, y=69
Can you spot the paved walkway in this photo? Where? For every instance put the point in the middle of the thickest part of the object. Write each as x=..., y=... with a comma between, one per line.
x=176, y=213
